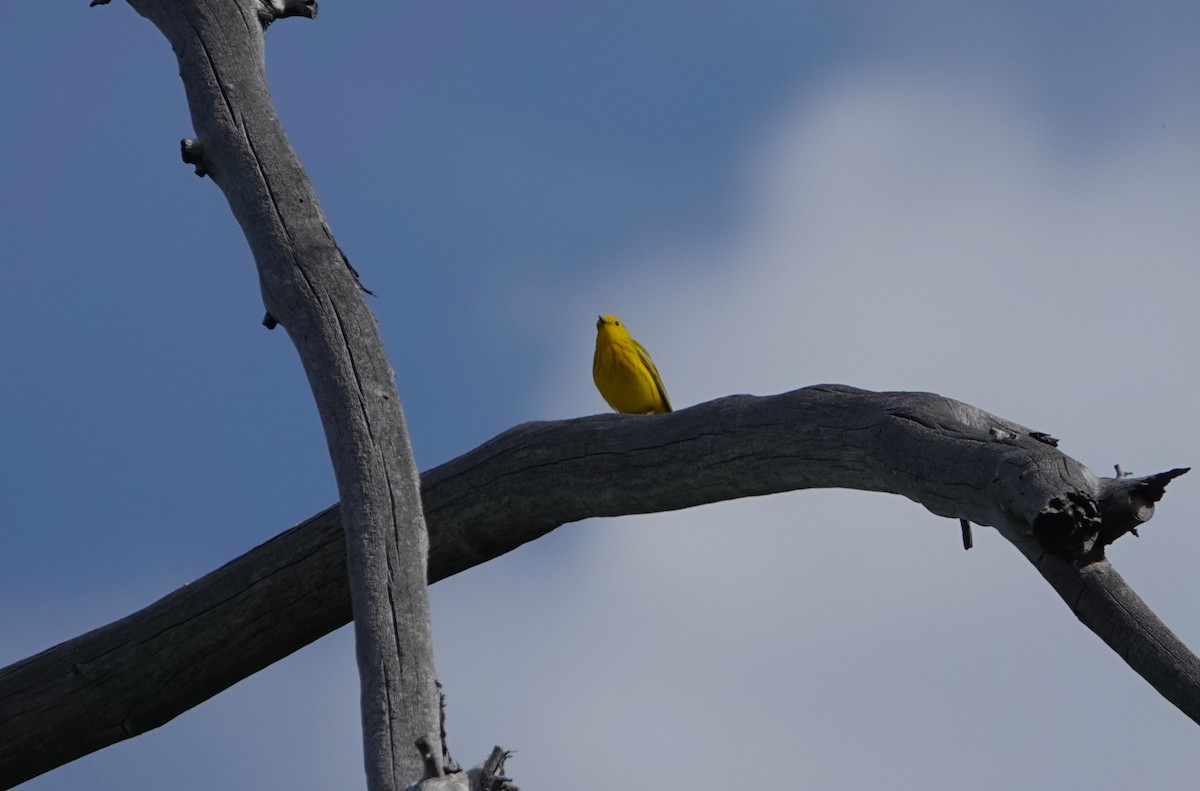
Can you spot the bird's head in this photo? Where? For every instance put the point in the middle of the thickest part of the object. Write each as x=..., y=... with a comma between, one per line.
x=610, y=325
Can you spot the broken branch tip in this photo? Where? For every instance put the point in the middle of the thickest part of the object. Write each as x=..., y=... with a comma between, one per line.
x=192, y=153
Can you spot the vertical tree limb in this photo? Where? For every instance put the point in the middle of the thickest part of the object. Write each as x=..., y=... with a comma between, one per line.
x=310, y=288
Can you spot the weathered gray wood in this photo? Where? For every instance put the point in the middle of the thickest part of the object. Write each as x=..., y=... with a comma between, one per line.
x=137, y=673
x=488, y=776
x=310, y=289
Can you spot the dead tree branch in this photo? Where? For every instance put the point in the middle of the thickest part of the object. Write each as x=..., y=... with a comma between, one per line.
x=958, y=461
x=309, y=288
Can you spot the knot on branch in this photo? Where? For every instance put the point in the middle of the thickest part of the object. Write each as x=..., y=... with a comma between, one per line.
x=192, y=152
x=1067, y=526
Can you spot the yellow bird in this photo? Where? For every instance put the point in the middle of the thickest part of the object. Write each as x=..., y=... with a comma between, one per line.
x=624, y=373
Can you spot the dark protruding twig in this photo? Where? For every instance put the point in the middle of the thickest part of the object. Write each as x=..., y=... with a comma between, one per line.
x=269, y=321
x=270, y=10
x=98, y=2
x=305, y=8
x=968, y=539
x=192, y=152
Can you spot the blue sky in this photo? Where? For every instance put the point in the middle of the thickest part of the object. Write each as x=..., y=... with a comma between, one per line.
x=994, y=201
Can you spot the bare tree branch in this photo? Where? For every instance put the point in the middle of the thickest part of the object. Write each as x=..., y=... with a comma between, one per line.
x=957, y=461
x=310, y=289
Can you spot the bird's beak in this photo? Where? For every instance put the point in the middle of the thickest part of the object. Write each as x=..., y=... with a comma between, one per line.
x=599, y=322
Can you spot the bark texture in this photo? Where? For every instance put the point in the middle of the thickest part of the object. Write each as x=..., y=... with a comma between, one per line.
x=954, y=459
x=310, y=289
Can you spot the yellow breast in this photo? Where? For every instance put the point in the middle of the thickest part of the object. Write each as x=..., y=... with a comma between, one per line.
x=626, y=377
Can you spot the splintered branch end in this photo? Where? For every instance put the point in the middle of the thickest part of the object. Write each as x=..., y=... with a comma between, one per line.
x=1077, y=527
x=1127, y=501
x=489, y=776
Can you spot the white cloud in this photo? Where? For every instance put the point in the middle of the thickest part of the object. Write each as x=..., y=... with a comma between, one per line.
x=897, y=234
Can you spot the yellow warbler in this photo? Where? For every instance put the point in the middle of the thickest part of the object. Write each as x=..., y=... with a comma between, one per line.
x=624, y=373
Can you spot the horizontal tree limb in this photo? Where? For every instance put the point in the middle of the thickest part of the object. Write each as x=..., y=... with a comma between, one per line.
x=137, y=673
